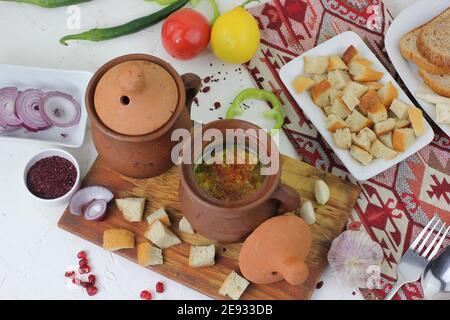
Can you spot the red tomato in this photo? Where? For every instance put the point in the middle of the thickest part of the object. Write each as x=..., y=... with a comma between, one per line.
x=185, y=33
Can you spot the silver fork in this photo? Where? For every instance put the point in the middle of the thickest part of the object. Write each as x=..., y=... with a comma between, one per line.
x=414, y=261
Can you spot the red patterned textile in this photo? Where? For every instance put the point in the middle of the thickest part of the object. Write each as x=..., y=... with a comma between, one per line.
x=395, y=205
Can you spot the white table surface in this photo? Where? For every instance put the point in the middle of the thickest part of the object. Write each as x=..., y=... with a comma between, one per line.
x=34, y=252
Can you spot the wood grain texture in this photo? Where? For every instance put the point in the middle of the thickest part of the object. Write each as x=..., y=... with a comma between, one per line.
x=162, y=191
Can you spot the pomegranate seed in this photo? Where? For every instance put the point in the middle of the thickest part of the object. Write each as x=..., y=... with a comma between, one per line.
x=83, y=262
x=160, y=287
x=86, y=284
x=69, y=274
x=92, y=290
x=91, y=279
x=76, y=281
x=146, y=295
x=84, y=270
x=82, y=255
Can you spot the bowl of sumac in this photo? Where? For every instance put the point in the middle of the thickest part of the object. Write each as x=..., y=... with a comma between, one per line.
x=52, y=176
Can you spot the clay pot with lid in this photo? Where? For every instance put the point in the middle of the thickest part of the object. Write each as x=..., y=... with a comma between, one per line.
x=232, y=221
x=135, y=102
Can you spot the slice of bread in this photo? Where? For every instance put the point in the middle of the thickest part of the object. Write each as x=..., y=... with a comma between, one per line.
x=428, y=95
x=387, y=140
x=338, y=79
x=160, y=235
x=356, y=88
x=185, y=226
x=335, y=122
x=409, y=51
x=233, y=286
x=202, y=256
x=379, y=150
x=361, y=155
x=361, y=141
x=343, y=138
x=350, y=53
x=388, y=93
x=316, y=65
x=117, y=239
x=370, y=135
x=433, y=40
x=339, y=108
x=443, y=113
x=384, y=127
x=336, y=63
x=131, y=208
x=357, y=121
x=320, y=93
x=399, y=108
x=148, y=255
x=401, y=123
x=402, y=139
x=361, y=72
x=160, y=215
x=373, y=85
x=317, y=78
x=417, y=120
x=370, y=99
x=438, y=83
x=301, y=84
x=377, y=113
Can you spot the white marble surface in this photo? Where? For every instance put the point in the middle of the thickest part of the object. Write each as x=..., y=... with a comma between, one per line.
x=34, y=252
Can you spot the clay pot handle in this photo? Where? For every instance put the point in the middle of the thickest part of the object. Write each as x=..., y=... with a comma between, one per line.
x=192, y=84
x=289, y=198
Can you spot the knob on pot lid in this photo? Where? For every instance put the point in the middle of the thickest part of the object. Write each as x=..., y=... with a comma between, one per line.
x=136, y=97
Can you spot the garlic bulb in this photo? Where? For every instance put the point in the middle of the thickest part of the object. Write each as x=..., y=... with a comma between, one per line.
x=354, y=258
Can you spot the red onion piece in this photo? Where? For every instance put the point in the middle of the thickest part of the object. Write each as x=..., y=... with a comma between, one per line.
x=84, y=197
x=96, y=210
x=8, y=116
x=28, y=104
x=8, y=129
x=60, y=109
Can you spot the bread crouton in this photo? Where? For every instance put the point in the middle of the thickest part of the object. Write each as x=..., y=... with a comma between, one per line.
x=402, y=139
x=361, y=155
x=320, y=93
x=316, y=65
x=343, y=138
x=379, y=150
x=301, y=84
x=384, y=127
x=357, y=121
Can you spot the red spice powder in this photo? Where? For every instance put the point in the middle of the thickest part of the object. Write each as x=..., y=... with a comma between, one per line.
x=51, y=177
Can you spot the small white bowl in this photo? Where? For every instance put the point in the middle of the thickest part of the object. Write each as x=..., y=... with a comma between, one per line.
x=50, y=153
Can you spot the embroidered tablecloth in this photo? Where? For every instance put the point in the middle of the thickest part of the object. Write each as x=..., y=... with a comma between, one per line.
x=395, y=205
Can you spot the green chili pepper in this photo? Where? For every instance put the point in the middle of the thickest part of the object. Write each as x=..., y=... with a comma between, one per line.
x=275, y=113
x=50, y=3
x=215, y=7
x=127, y=28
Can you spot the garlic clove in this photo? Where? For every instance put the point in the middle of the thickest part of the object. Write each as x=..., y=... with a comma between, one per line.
x=355, y=259
x=307, y=213
x=321, y=191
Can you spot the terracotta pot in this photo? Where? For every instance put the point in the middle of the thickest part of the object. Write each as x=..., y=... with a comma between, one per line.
x=232, y=221
x=148, y=155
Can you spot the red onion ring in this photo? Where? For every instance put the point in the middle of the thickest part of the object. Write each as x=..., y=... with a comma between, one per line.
x=28, y=105
x=60, y=109
x=96, y=210
x=84, y=197
x=8, y=98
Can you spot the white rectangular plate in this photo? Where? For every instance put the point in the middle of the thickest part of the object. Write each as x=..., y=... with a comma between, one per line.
x=412, y=17
x=71, y=82
x=337, y=46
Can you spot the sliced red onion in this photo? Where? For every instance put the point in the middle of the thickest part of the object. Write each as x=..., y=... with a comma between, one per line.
x=96, y=210
x=84, y=197
x=8, y=129
x=28, y=104
x=60, y=109
x=8, y=116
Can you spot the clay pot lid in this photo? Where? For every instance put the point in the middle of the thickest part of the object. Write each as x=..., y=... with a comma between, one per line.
x=136, y=97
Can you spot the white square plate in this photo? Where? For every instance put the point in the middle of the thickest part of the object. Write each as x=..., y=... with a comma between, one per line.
x=412, y=17
x=71, y=82
x=338, y=45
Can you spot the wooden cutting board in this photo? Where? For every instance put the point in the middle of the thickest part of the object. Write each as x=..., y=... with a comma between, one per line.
x=162, y=191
